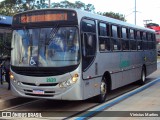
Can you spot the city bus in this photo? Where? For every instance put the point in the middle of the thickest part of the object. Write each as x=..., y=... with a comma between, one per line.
x=67, y=54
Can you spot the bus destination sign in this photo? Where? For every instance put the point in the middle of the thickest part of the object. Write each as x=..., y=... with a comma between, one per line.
x=43, y=17
x=46, y=17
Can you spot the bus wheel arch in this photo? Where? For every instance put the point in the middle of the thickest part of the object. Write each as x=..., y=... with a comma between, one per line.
x=108, y=80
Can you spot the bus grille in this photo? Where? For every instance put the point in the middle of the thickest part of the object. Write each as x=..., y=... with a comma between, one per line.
x=39, y=95
x=36, y=71
x=43, y=71
x=42, y=84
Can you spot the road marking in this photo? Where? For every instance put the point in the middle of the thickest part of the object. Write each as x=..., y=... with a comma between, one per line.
x=116, y=100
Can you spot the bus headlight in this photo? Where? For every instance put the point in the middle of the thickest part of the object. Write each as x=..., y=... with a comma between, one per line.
x=69, y=82
x=11, y=76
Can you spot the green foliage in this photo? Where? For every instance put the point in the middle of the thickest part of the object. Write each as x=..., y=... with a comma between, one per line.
x=6, y=7
x=113, y=15
x=77, y=5
x=11, y=7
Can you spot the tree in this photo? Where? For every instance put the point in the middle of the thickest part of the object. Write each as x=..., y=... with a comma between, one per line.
x=113, y=15
x=89, y=7
x=6, y=7
x=23, y=5
x=77, y=5
x=10, y=7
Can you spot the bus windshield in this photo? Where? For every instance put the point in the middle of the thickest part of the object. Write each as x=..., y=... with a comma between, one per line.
x=45, y=47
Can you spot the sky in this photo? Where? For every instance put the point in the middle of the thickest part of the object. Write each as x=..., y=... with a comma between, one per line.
x=146, y=9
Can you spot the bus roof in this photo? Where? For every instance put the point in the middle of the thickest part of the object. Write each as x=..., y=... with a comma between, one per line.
x=109, y=20
x=82, y=13
x=5, y=20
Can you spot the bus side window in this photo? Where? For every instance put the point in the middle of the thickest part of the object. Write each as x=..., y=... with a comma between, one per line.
x=89, y=37
x=116, y=42
x=88, y=30
x=153, y=41
x=89, y=45
x=104, y=41
x=145, y=42
x=139, y=37
x=88, y=26
x=124, y=37
x=133, y=42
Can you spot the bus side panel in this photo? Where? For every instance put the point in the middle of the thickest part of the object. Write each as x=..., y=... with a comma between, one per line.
x=97, y=85
x=151, y=68
x=151, y=61
x=127, y=77
x=105, y=62
x=126, y=67
x=136, y=73
x=88, y=89
x=91, y=87
x=137, y=60
x=116, y=80
x=110, y=62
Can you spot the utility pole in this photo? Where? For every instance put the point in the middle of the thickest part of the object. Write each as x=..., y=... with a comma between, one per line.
x=135, y=13
x=49, y=3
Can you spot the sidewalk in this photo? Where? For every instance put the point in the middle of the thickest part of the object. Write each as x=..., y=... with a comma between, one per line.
x=140, y=104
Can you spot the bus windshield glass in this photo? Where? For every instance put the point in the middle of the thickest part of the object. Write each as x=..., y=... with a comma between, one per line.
x=45, y=47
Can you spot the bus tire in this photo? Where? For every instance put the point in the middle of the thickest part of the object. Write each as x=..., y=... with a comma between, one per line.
x=103, y=91
x=143, y=76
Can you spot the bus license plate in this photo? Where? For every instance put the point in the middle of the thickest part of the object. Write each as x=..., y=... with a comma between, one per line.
x=38, y=91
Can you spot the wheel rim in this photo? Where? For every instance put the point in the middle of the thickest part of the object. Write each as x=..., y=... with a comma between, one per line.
x=103, y=89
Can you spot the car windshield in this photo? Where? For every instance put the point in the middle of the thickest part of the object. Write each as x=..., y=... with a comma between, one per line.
x=45, y=47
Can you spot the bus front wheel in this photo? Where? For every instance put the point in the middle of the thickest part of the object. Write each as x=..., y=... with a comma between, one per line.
x=103, y=91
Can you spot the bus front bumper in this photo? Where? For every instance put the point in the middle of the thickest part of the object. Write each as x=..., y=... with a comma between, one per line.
x=73, y=92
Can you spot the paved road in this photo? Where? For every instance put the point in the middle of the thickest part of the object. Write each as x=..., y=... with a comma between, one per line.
x=144, y=105
x=65, y=109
